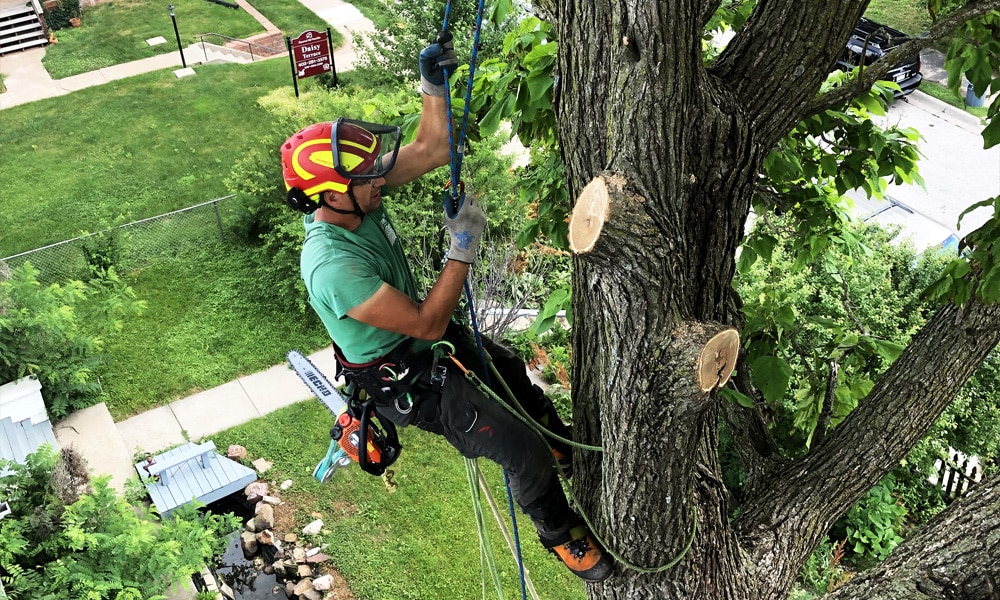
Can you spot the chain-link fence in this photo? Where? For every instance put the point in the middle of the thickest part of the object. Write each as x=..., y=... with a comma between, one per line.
x=131, y=246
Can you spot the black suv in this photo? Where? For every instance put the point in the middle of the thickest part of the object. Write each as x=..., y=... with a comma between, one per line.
x=870, y=42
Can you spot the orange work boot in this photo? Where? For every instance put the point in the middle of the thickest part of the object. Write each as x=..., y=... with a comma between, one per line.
x=582, y=554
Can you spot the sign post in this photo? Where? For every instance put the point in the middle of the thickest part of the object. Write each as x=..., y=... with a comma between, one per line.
x=310, y=55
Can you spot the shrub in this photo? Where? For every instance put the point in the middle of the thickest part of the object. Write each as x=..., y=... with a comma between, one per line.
x=823, y=571
x=873, y=525
x=58, y=17
x=98, y=545
x=56, y=333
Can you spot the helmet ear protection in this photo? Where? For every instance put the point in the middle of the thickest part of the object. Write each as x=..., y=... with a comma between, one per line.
x=296, y=199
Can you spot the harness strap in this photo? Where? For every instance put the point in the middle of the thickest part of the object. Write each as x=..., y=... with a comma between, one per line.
x=395, y=379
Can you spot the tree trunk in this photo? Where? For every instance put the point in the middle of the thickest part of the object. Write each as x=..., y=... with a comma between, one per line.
x=682, y=147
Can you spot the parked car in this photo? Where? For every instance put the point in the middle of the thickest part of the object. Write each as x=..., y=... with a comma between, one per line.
x=870, y=42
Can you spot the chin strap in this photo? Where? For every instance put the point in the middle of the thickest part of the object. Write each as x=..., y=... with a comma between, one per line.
x=357, y=208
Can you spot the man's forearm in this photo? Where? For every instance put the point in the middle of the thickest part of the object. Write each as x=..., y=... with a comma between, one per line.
x=433, y=128
x=439, y=305
x=428, y=150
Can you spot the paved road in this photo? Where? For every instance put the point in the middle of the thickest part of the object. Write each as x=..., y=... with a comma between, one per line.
x=956, y=169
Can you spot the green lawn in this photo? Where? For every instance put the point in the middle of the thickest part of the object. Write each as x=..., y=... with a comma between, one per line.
x=126, y=150
x=142, y=147
x=908, y=16
x=116, y=32
x=209, y=321
x=419, y=543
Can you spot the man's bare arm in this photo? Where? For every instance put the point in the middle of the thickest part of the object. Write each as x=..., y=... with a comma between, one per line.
x=428, y=150
x=393, y=310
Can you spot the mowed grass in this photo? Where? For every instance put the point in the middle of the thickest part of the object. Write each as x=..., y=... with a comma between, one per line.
x=142, y=147
x=209, y=320
x=418, y=543
x=116, y=32
x=908, y=16
x=126, y=150
x=944, y=94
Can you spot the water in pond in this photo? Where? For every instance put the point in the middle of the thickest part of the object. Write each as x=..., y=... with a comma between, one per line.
x=247, y=581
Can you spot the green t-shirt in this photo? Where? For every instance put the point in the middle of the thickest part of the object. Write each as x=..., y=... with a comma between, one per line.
x=342, y=269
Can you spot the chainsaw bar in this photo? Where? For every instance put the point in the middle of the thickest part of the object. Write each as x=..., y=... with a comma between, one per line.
x=317, y=383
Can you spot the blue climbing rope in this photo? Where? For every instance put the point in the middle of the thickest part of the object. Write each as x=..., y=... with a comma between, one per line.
x=456, y=149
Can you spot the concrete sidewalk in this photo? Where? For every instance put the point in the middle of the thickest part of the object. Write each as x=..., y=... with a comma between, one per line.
x=110, y=447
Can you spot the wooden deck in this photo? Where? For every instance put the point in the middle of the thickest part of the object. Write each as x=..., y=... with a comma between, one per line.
x=189, y=480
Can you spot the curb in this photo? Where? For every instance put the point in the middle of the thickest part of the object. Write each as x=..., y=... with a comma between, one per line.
x=953, y=115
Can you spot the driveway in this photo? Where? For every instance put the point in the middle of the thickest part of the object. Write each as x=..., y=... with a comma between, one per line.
x=957, y=171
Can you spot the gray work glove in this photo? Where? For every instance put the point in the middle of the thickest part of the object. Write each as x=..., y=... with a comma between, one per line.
x=465, y=226
x=436, y=61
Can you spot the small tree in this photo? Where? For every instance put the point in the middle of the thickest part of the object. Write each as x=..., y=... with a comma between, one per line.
x=56, y=333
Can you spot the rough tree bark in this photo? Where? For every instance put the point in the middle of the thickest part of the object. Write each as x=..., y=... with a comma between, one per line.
x=683, y=145
x=964, y=542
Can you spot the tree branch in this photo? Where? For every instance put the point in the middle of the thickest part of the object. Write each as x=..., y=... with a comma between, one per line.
x=817, y=31
x=955, y=555
x=901, y=408
x=827, y=412
x=840, y=95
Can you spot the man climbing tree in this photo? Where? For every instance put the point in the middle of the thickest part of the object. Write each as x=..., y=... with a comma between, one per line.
x=407, y=352
x=666, y=152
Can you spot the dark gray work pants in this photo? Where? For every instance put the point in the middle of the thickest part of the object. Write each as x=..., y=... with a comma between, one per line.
x=477, y=426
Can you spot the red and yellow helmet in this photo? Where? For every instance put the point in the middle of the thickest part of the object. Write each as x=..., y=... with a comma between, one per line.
x=308, y=161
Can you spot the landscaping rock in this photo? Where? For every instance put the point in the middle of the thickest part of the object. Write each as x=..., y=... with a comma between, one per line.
x=317, y=558
x=236, y=452
x=302, y=586
x=286, y=484
x=273, y=500
x=261, y=465
x=249, y=526
x=256, y=488
x=248, y=541
x=323, y=583
x=298, y=555
x=311, y=594
x=305, y=571
x=266, y=511
x=265, y=518
x=266, y=537
x=313, y=528
x=291, y=538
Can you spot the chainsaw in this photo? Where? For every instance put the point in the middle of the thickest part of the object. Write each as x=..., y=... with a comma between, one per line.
x=381, y=445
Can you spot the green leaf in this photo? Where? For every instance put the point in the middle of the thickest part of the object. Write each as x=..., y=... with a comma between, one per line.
x=888, y=350
x=771, y=375
x=991, y=135
x=538, y=84
x=736, y=396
